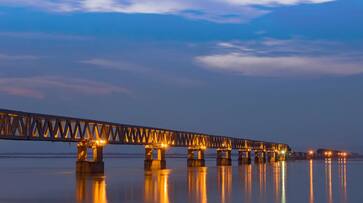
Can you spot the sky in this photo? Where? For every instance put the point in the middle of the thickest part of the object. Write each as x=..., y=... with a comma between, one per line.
x=287, y=71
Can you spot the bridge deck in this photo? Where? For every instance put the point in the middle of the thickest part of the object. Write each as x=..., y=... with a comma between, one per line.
x=16, y=125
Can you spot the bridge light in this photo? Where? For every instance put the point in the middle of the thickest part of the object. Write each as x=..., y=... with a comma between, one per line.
x=203, y=147
x=100, y=142
x=283, y=152
x=343, y=154
x=328, y=153
x=164, y=146
x=311, y=152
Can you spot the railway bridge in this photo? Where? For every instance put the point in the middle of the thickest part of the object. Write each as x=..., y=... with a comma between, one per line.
x=95, y=135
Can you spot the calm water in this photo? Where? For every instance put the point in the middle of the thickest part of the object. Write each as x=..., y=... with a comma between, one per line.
x=54, y=180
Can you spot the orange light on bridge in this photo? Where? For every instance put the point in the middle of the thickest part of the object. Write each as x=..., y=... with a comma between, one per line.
x=328, y=153
x=283, y=152
x=101, y=143
x=343, y=154
x=311, y=152
x=164, y=145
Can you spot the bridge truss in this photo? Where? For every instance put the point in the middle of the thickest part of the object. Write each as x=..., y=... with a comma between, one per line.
x=16, y=125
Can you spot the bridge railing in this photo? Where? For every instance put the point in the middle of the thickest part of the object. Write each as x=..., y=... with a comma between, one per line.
x=30, y=126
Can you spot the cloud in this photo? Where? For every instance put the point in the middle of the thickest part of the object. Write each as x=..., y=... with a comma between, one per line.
x=22, y=91
x=151, y=73
x=42, y=35
x=114, y=65
x=277, y=58
x=276, y=2
x=222, y=11
x=17, y=57
x=39, y=87
x=133, y=6
x=280, y=66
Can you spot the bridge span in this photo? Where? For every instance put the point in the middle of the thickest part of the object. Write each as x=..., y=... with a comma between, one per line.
x=94, y=135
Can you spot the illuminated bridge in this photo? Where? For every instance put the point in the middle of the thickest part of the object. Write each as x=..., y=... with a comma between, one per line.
x=94, y=135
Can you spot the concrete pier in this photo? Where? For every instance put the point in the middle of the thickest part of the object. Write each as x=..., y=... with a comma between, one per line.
x=93, y=166
x=224, y=157
x=90, y=167
x=260, y=156
x=157, y=162
x=196, y=161
x=244, y=157
x=281, y=156
x=272, y=157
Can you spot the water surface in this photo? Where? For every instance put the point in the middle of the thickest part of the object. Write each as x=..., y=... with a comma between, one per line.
x=54, y=180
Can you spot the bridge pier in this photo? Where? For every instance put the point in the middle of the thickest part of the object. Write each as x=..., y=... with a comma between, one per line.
x=198, y=161
x=281, y=156
x=224, y=157
x=260, y=156
x=244, y=157
x=272, y=156
x=93, y=166
x=154, y=163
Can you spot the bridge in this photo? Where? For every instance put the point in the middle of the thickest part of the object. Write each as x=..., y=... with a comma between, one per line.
x=95, y=135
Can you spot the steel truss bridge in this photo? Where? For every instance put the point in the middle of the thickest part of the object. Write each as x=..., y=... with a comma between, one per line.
x=16, y=125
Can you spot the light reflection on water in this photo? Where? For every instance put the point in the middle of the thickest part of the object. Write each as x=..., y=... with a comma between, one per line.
x=302, y=181
x=156, y=186
x=342, y=173
x=245, y=173
x=224, y=183
x=197, y=184
x=262, y=181
x=91, y=188
x=283, y=181
x=311, y=181
x=328, y=180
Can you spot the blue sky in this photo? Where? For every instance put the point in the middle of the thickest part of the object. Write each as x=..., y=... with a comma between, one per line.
x=279, y=70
